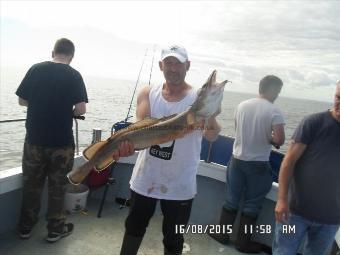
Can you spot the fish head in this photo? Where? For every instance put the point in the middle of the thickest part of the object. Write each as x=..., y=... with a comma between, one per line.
x=209, y=98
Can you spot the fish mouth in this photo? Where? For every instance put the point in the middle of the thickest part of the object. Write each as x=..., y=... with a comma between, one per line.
x=212, y=78
x=221, y=85
x=209, y=97
x=211, y=82
x=213, y=86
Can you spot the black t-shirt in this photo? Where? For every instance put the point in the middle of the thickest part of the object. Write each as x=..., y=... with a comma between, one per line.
x=316, y=183
x=51, y=89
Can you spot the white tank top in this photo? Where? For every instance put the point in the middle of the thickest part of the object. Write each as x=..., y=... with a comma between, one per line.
x=168, y=171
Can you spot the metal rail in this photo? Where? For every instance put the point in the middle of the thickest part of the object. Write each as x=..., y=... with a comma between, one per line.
x=75, y=120
x=15, y=120
x=77, y=140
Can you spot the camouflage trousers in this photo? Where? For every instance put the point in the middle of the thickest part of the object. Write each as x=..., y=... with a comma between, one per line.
x=39, y=163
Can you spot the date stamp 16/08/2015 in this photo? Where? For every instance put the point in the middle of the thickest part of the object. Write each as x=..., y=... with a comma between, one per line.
x=227, y=229
x=203, y=229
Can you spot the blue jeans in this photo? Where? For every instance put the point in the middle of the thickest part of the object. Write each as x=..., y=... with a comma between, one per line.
x=319, y=237
x=251, y=179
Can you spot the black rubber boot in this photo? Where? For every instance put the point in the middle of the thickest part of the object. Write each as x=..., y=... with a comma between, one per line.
x=227, y=218
x=243, y=242
x=166, y=252
x=130, y=245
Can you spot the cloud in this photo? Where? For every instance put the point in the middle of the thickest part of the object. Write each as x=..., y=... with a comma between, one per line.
x=243, y=40
x=319, y=79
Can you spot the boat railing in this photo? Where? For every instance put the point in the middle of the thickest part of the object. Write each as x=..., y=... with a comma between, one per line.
x=14, y=120
x=76, y=118
x=218, y=152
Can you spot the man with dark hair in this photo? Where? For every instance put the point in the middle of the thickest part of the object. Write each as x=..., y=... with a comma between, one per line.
x=268, y=82
x=64, y=46
x=312, y=166
x=53, y=93
x=258, y=125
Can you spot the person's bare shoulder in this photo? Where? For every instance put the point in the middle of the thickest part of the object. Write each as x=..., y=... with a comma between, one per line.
x=143, y=104
x=144, y=91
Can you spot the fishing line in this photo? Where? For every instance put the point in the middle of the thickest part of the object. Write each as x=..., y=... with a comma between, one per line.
x=153, y=57
x=134, y=92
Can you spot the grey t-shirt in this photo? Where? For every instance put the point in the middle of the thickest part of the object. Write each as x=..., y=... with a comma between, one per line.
x=254, y=119
x=316, y=182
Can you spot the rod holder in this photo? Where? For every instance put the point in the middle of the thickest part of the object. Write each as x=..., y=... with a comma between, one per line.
x=96, y=135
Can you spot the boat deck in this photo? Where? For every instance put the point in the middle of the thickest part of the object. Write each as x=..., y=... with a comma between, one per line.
x=103, y=236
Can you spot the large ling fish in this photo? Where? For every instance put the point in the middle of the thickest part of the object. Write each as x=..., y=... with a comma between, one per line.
x=150, y=131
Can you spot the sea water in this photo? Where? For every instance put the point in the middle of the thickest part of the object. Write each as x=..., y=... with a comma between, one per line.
x=109, y=101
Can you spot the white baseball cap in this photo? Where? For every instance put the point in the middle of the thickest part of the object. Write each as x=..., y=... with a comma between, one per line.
x=176, y=51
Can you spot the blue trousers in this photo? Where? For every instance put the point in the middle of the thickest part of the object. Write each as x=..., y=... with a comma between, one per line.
x=319, y=237
x=249, y=179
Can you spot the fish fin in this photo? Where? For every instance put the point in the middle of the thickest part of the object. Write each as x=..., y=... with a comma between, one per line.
x=143, y=123
x=102, y=165
x=167, y=117
x=161, y=121
x=191, y=118
x=90, y=151
x=147, y=122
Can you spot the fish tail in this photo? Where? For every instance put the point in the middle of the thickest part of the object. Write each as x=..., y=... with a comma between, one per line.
x=77, y=175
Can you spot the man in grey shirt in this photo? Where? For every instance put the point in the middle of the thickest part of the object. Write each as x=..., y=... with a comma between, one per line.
x=259, y=124
x=312, y=165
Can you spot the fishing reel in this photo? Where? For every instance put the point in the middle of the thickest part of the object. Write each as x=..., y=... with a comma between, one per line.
x=120, y=125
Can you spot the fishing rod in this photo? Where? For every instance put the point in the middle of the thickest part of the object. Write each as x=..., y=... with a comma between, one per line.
x=134, y=92
x=153, y=57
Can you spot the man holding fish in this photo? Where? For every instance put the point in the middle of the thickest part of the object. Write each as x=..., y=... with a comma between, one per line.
x=167, y=172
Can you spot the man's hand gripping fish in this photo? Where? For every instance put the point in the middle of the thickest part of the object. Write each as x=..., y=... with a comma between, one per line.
x=151, y=131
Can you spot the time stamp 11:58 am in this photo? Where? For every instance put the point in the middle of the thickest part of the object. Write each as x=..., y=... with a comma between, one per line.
x=228, y=229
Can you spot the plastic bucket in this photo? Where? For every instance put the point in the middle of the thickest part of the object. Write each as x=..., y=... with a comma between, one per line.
x=75, y=197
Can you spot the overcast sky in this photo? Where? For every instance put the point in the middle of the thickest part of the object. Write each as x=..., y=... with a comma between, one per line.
x=244, y=40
